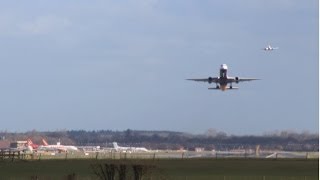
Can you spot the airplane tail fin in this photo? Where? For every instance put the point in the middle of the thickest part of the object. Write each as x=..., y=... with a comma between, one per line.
x=115, y=145
x=44, y=142
x=29, y=142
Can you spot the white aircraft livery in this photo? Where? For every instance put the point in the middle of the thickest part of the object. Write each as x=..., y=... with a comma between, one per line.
x=129, y=149
x=223, y=80
x=56, y=147
x=270, y=48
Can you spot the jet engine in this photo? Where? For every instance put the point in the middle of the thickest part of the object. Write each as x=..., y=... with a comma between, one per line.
x=237, y=79
x=210, y=80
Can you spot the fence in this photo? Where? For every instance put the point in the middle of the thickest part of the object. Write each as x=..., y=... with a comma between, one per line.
x=13, y=155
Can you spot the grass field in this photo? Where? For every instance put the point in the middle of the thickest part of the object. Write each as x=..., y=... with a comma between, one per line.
x=190, y=169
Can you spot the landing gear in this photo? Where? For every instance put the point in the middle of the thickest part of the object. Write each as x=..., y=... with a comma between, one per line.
x=230, y=86
x=217, y=86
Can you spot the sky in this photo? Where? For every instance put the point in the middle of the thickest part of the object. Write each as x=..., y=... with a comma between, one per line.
x=117, y=65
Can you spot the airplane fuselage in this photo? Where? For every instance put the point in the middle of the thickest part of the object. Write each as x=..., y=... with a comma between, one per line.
x=223, y=78
x=129, y=149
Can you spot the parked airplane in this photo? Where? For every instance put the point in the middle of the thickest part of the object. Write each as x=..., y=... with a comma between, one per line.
x=129, y=149
x=270, y=48
x=58, y=147
x=223, y=80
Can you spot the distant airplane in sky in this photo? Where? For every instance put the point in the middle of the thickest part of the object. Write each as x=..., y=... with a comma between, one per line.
x=270, y=48
x=129, y=149
x=56, y=147
x=223, y=80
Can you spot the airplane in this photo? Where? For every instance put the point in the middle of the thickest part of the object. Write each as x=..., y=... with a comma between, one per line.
x=223, y=80
x=129, y=149
x=270, y=48
x=58, y=147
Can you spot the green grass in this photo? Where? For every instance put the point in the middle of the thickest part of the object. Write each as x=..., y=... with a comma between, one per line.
x=241, y=167
x=232, y=169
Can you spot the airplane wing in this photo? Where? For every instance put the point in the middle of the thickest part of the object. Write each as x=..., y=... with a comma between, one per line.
x=247, y=79
x=209, y=80
x=239, y=79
